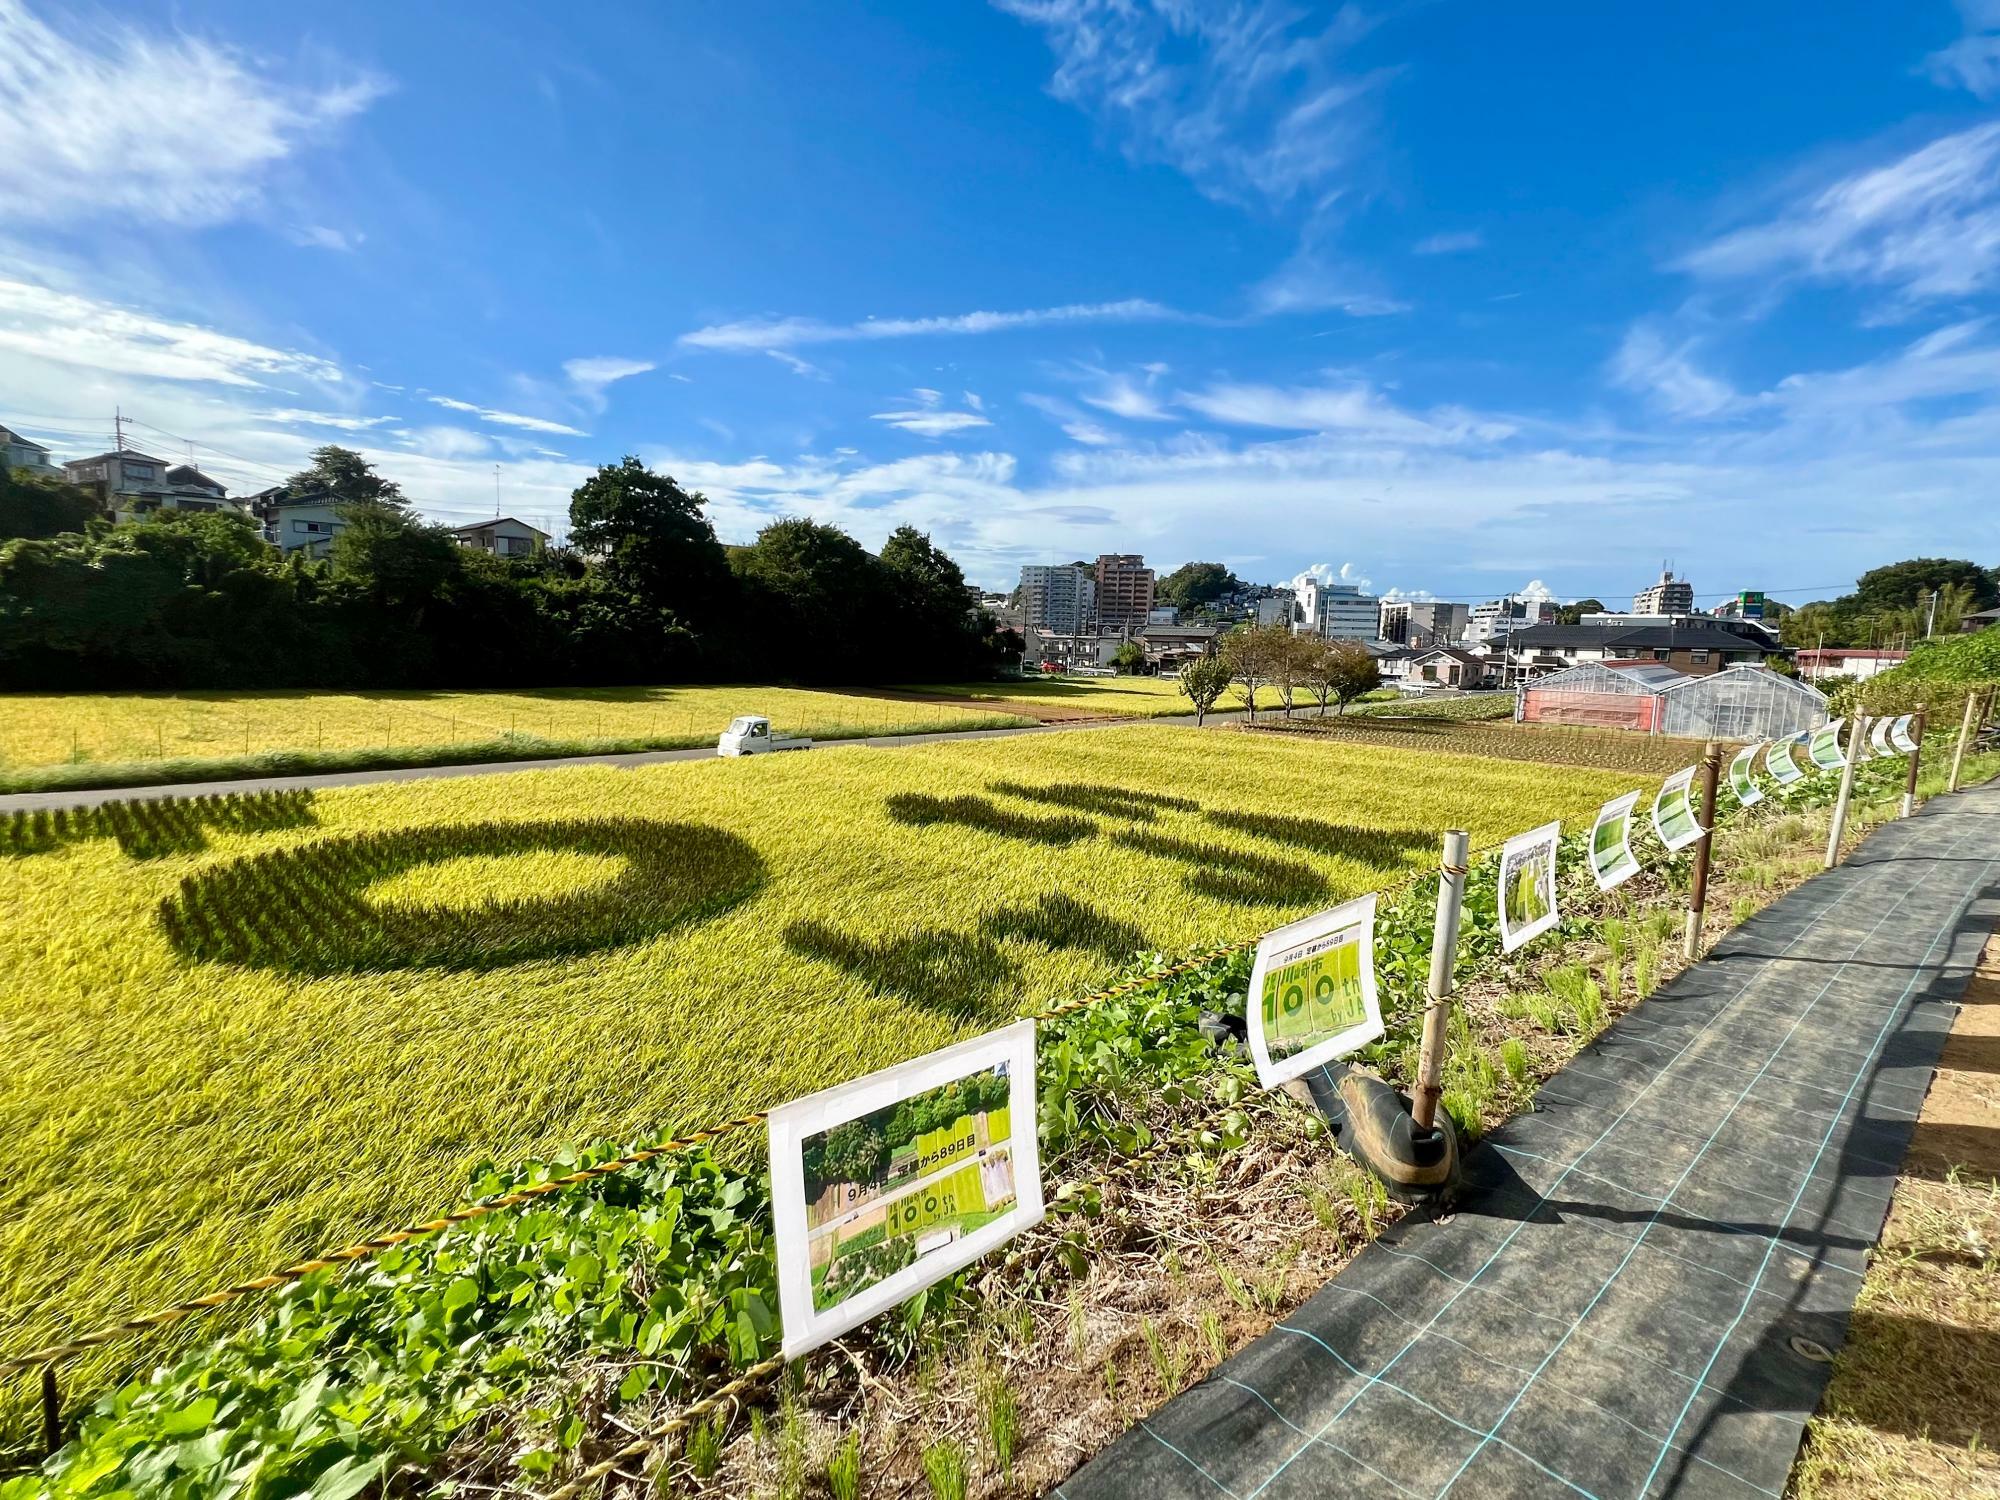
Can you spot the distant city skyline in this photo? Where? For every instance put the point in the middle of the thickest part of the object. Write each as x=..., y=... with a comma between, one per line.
x=1452, y=308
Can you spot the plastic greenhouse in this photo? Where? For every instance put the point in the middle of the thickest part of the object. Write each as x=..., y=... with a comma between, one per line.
x=1739, y=703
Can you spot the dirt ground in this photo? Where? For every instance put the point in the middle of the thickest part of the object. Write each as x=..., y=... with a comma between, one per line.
x=1914, y=1406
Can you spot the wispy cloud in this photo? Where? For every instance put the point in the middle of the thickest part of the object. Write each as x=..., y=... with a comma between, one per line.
x=1972, y=62
x=804, y=368
x=1076, y=426
x=114, y=120
x=1666, y=374
x=506, y=418
x=337, y=421
x=596, y=372
x=1249, y=101
x=763, y=334
x=85, y=332
x=1354, y=409
x=1130, y=397
x=1923, y=226
x=1450, y=244
x=929, y=418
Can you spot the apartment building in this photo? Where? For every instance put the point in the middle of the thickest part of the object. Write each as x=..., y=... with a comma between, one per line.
x=1060, y=598
x=1124, y=591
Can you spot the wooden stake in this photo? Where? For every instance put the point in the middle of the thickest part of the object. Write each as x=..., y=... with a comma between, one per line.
x=1444, y=958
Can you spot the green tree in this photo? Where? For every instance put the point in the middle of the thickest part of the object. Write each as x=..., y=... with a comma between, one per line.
x=1203, y=681
x=36, y=505
x=1351, y=670
x=1255, y=654
x=347, y=477
x=1129, y=658
x=1194, y=584
x=398, y=562
x=1905, y=585
x=814, y=593
x=854, y=1153
x=941, y=631
x=1572, y=614
x=652, y=541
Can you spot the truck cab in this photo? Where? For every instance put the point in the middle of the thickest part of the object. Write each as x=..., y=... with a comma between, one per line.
x=750, y=734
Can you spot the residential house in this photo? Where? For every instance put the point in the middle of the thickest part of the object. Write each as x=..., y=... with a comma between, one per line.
x=1985, y=619
x=503, y=536
x=130, y=484
x=1170, y=647
x=17, y=452
x=305, y=521
x=1843, y=661
x=1452, y=667
x=1694, y=645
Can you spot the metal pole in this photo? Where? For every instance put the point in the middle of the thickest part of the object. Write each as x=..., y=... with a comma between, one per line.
x=1857, y=731
x=1444, y=956
x=51, y=1410
x=1916, y=738
x=1964, y=735
x=1711, y=770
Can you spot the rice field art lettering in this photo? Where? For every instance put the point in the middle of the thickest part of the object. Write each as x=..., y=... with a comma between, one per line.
x=1611, y=859
x=891, y=1182
x=1743, y=777
x=426, y=896
x=1673, y=811
x=1823, y=749
x=1780, y=762
x=1314, y=986
x=1528, y=885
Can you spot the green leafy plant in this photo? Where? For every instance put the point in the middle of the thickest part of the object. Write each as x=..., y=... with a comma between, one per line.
x=1514, y=1057
x=843, y=1469
x=704, y=1449
x=1003, y=1423
x=945, y=1470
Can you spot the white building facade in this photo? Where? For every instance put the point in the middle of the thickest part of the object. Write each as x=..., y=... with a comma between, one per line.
x=1338, y=611
x=1062, y=599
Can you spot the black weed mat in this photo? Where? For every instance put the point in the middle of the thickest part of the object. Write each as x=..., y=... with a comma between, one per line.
x=1639, y=1294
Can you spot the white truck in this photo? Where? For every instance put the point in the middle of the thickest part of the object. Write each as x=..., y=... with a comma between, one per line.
x=750, y=734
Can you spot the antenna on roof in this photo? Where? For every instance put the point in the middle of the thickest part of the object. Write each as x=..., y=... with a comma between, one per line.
x=496, y=492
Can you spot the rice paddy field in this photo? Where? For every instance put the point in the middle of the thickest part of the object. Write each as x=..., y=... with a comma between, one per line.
x=1095, y=697
x=55, y=729
x=239, y=1032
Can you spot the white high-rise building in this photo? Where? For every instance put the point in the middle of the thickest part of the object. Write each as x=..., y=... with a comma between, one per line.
x=1338, y=611
x=1496, y=617
x=1670, y=596
x=1062, y=598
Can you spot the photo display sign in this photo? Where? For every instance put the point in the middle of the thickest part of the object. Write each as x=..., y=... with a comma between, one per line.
x=1611, y=858
x=1312, y=992
x=1900, y=734
x=1673, y=812
x=1779, y=762
x=1743, y=777
x=1528, y=885
x=1878, y=737
x=1823, y=749
x=882, y=1186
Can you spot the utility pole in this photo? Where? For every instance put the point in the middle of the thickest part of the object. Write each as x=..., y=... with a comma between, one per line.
x=117, y=429
x=1711, y=770
x=1930, y=624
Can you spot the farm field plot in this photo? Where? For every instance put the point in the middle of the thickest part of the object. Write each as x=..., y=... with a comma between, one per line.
x=1607, y=749
x=53, y=729
x=235, y=1039
x=1088, y=697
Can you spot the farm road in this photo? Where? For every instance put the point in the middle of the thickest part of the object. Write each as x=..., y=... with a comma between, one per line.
x=1639, y=1293
x=92, y=797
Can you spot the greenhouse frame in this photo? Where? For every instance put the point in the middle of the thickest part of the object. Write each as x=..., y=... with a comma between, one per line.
x=1737, y=703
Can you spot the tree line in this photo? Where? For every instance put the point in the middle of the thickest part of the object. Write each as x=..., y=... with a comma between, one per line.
x=1896, y=605
x=1293, y=666
x=643, y=592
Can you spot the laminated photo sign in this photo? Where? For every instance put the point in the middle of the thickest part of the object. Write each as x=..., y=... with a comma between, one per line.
x=1312, y=992
x=1878, y=737
x=1823, y=749
x=1778, y=760
x=1901, y=735
x=1611, y=858
x=1743, y=777
x=1673, y=812
x=882, y=1186
x=1528, y=885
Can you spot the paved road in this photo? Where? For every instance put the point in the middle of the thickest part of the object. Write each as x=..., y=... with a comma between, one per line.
x=1637, y=1297
x=29, y=801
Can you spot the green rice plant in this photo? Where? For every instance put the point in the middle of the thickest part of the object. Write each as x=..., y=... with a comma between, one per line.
x=1111, y=1379
x=1659, y=926
x=1212, y=1336
x=1232, y=1284
x=1170, y=1361
x=843, y=1469
x=1079, y=1324
x=1465, y=1113
x=791, y=1449
x=1645, y=971
x=1514, y=1057
x=1617, y=938
x=1003, y=1423
x=945, y=1470
x=704, y=1448
x=1367, y=1198
x=1742, y=909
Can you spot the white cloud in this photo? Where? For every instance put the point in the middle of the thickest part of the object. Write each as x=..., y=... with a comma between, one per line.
x=446, y=442
x=801, y=367
x=1123, y=397
x=1924, y=226
x=322, y=237
x=95, y=335
x=1972, y=62
x=1408, y=596
x=1075, y=425
x=929, y=418
x=114, y=120
x=1309, y=282
x=1325, y=573
x=339, y=421
x=1450, y=243
x=1668, y=375
x=1248, y=100
x=600, y=370
x=760, y=334
x=1354, y=409
x=1534, y=591
x=506, y=418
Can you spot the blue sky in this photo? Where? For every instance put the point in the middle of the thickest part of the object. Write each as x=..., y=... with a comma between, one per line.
x=1446, y=297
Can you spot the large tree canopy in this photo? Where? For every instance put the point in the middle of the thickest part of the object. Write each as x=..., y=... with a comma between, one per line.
x=37, y=505
x=1194, y=584
x=347, y=477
